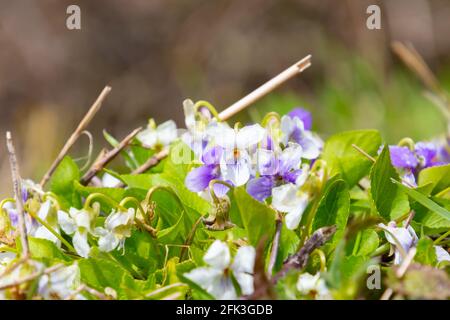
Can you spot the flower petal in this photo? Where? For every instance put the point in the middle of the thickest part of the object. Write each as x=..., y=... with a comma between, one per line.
x=199, y=178
x=236, y=170
x=148, y=137
x=441, y=254
x=80, y=243
x=166, y=132
x=244, y=260
x=294, y=217
x=260, y=188
x=249, y=135
x=218, y=255
x=303, y=115
x=291, y=158
x=402, y=157
x=268, y=163
x=66, y=223
x=108, y=242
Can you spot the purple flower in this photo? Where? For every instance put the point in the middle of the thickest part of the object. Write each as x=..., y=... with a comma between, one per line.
x=304, y=115
x=199, y=178
x=427, y=153
x=293, y=130
x=275, y=171
x=403, y=157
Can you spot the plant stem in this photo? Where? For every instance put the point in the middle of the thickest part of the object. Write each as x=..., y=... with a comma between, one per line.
x=266, y=88
x=52, y=231
x=76, y=134
x=17, y=185
x=98, y=165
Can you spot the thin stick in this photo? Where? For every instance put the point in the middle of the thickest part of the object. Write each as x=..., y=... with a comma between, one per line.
x=17, y=185
x=151, y=162
x=409, y=55
x=32, y=276
x=368, y=156
x=266, y=88
x=300, y=258
x=400, y=272
x=77, y=133
x=12, y=267
x=275, y=245
x=98, y=165
x=415, y=62
x=241, y=104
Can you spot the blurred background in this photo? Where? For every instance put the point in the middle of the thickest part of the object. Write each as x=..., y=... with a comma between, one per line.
x=156, y=53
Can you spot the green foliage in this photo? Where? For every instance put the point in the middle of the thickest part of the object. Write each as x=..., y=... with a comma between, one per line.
x=333, y=208
x=390, y=200
x=258, y=218
x=62, y=183
x=343, y=158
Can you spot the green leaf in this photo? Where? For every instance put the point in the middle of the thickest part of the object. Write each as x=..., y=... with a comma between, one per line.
x=426, y=253
x=62, y=182
x=45, y=249
x=424, y=200
x=101, y=273
x=390, y=201
x=333, y=208
x=438, y=176
x=342, y=158
x=258, y=218
x=368, y=242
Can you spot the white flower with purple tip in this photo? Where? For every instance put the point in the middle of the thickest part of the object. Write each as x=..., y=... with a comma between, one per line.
x=403, y=239
x=198, y=179
x=275, y=169
x=235, y=162
x=293, y=130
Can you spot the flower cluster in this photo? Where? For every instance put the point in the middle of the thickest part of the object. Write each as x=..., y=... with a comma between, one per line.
x=45, y=219
x=410, y=158
x=272, y=159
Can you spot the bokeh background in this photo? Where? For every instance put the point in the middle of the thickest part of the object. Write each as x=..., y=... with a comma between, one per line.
x=155, y=53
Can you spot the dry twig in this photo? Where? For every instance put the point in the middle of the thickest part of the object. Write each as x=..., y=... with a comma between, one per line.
x=107, y=157
x=76, y=134
x=241, y=104
x=17, y=185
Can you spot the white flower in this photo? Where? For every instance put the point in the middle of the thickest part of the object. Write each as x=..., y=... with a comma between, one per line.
x=159, y=136
x=78, y=223
x=441, y=254
x=49, y=214
x=215, y=278
x=60, y=284
x=403, y=239
x=290, y=198
x=293, y=130
x=308, y=284
x=117, y=229
x=109, y=181
x=235, y=162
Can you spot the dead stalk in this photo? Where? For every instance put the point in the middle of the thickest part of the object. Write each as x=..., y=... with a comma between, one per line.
x=76, y=134
x=241, y=104
x=107, y=157
x=32, y=276
x=17, y=185
x=266, y=88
